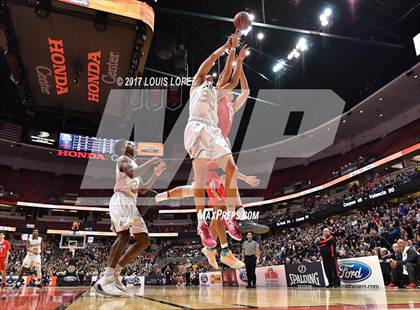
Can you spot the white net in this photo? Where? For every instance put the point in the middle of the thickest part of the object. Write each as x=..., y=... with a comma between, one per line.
x=72, y=247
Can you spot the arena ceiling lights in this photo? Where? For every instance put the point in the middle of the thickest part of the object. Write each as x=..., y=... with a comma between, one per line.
x=325, y=17
x=300, y=48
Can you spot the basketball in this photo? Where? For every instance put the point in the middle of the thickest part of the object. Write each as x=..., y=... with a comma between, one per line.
x=242, y=20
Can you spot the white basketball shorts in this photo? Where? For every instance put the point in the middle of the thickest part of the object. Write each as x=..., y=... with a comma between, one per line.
x=31, y=260
x=202, y=140
x=125, y=215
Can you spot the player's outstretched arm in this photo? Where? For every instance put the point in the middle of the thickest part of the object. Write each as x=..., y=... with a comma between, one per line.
x=243, y=97
x=145, y=187
x=228, y=68
x=251, y=180
x=42, y=248
x=132, y=172
x=205, y=67
x=140, y=170
x=237, y=71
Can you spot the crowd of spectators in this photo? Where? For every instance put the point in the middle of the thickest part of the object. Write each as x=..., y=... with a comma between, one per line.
x=359, y=189
x=364, y=231
x=358, y=233
x=88, y=262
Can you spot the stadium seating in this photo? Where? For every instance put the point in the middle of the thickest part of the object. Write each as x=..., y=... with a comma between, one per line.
x=321, y=171
x=6, y=178
x=35, y=186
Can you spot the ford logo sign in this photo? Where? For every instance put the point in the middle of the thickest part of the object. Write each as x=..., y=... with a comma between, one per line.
x=70, y=278
x=353, y=271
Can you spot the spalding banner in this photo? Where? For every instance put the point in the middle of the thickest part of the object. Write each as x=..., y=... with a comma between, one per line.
x=305, y=274
x=360, y=272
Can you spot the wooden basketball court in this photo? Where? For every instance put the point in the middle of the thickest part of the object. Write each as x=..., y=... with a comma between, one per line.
x=210, y=298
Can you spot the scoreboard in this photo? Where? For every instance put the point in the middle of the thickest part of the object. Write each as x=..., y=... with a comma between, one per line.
x=73, y=142
x=82, y=143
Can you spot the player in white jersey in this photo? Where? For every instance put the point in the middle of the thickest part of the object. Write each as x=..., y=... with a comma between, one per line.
x=125, y=216
x=34, y=249
x=204, y=141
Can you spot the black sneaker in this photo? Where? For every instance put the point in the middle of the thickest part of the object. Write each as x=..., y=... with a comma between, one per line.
x=248, y=225
x=17, y=285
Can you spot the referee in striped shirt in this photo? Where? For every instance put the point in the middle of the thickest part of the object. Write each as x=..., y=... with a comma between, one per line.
x=251, y=255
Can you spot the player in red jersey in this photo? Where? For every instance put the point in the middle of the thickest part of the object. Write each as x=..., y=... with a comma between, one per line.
x=226, y=109
x=216, y=193
x=187, y=191
x=4, y=256
x=215, y=190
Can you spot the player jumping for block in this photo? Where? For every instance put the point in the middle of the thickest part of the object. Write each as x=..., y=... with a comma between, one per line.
x=204, y=141
x=216, y=192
